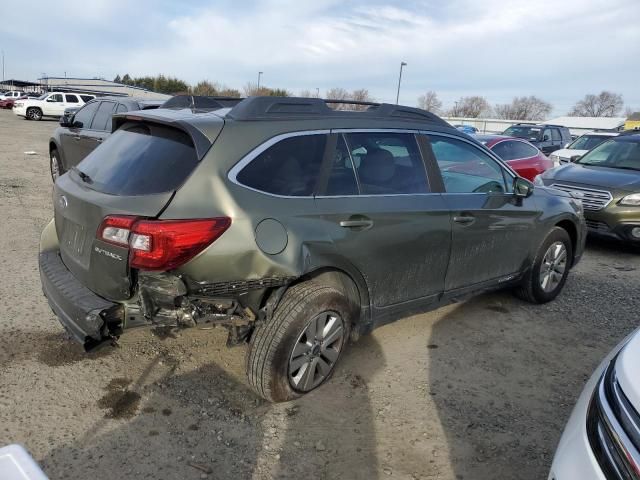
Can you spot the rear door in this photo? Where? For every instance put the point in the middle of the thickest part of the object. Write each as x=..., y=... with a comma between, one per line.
x=71, y=138
x=71, y=100
x=382, y=216
x=98, y=131
x=491, y=229
x=135, y=173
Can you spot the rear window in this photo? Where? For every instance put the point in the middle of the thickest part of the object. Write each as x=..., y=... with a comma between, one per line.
x=141, y=159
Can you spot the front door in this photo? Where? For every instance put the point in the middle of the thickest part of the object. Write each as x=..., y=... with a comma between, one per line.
x=54, y=105
x=491, y=228
x=381, y=216
x=72, y=148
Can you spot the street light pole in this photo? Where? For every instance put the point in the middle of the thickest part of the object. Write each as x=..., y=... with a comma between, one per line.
x=317, y=92
x=402, y=64
x=259, y=75
x=2, y=66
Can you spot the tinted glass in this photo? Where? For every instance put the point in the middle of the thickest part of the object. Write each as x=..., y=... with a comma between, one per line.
x=587, y=142
x=121, y=108
x=102, y=120
x=387, y=163
x=523, y=150
x=529, y=133
x=555, y=135
x=87, y=98
x=465, y=168
x=141, y=159
x=71, y=98
x=547, y=134
x=621, y=153
x=83, y=117
x=342, y=179
x=504, y=150
x=290, y=167
x=55, y=98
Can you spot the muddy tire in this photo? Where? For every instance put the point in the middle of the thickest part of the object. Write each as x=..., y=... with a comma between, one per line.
x=34, y=113
x=55, y=165
x=297, y=350
x=549, y=269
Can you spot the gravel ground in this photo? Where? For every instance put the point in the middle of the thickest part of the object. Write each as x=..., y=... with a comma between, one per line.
x=467, y=391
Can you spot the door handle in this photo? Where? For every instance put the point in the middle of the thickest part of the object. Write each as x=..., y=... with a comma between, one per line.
x=362, y=223
x=464, y=219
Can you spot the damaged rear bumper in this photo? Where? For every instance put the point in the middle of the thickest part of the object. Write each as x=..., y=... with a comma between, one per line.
x=89, y=318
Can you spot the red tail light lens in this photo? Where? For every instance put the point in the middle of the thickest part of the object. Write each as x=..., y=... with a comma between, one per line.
x=162, y=244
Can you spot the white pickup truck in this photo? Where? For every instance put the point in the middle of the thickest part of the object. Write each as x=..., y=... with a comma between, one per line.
x=52, y=104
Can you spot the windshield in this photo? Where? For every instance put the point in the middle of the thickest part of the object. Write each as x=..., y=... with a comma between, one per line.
x=587, y=142
x=528, y=133
x=623, y=154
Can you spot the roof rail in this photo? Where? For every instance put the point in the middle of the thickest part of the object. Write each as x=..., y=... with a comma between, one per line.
x=201, y=102
x=268, y=108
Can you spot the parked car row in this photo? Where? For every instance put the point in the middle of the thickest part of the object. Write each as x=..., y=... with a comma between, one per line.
x=52, y=104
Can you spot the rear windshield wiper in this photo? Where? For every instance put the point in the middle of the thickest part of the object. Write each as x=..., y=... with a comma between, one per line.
x=85, y=178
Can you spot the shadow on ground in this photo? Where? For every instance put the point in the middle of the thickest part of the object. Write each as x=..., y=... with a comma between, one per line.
x=205, y=423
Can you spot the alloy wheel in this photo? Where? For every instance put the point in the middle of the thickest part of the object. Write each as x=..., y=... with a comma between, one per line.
x=554, y=264
x=316, y=351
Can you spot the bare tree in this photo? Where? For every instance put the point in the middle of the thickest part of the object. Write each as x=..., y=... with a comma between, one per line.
x=470, y=107
x=338, y=93
x=430, y=102
x=605, y=104
x=630, y=111
x=251, y=90
x=360, y=95
x=524, y=108
x=309, y=94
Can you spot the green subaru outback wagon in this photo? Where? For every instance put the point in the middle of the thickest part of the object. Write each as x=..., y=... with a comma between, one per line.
x=296, y=227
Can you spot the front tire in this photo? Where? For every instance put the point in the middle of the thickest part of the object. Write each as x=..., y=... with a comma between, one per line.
x=549, y=270
x=55, y=165
x=297, y=350
x=34, y=113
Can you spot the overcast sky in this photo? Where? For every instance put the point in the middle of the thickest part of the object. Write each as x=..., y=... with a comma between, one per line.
x=558, y=50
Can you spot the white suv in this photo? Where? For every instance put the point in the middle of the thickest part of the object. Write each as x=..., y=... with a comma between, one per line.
x=580, y=146
x=12, y=94
x=50, y=104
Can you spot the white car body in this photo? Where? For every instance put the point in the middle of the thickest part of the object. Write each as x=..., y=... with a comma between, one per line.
x=17, y=464
x=12, y=94
x=565, y=155
x=51, y=105
x=575, y=458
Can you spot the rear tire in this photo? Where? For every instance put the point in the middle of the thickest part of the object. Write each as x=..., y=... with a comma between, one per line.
x=549, y=270
x=297, y=350
x=34, y=113
x=55, y=165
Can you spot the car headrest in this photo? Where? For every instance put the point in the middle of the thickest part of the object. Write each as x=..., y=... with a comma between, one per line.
x=377, y=167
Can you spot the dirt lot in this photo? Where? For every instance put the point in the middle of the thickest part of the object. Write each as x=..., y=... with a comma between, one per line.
x=476, y=390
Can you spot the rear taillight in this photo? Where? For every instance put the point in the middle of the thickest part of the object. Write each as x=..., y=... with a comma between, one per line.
x=161, y=244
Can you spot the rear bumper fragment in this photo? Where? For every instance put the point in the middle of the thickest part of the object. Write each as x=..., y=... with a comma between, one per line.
x=80, y=311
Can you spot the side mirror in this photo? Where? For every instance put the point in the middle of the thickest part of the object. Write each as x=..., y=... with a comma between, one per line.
x=545, y=138
x=575, y=158
x=566, y=145
x=522, y=187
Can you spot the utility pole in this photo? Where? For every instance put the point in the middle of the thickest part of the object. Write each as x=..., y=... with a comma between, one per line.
x=318, y=92
x=259, y=75
x=402, y=64
x=2, y=66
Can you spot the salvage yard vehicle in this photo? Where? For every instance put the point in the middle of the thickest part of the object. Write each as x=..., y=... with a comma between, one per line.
x=294, y=226
x=602, y=438
x=49, y=104
x=580, y=146
x=82, y=130
x=524, y=158
x=548, y=138
x=607, y=181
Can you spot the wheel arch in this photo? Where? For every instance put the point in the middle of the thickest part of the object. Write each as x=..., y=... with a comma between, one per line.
x=53, y=145
x=570, y=227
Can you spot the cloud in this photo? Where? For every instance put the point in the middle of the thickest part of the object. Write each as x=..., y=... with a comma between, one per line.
x=556, y=50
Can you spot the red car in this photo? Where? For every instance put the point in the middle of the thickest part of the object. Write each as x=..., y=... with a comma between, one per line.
x=523, y=157
x=8, y=102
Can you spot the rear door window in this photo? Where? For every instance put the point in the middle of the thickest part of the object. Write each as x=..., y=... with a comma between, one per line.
x=524, y=150
x=555, y=135
x=289, y=168
x=71, y=98
x=141, y=159
x=86, y=98
x=387, y=163
x=102, y=120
